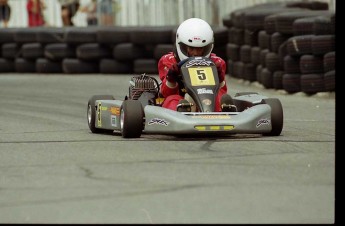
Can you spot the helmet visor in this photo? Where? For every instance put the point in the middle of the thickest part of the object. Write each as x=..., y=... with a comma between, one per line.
x=187, y=50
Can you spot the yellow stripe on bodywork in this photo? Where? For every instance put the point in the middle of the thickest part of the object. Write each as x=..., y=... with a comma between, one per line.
x=214, y=128
x=99, y=116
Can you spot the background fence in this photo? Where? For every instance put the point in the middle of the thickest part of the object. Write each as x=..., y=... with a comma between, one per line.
x=145, y=12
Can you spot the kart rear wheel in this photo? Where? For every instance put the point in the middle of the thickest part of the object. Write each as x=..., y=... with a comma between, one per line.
x=277, y=116
x=91, y=112
x=131, y=119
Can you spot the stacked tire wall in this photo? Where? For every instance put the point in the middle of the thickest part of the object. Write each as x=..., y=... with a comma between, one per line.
x=289, y=46
x=79, y=50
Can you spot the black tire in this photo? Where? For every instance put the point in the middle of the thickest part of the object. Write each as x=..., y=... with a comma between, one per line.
x=329, y=78
x=11, y=51
x=112, y=66
x=238, y=71
x=147, y=66
x=220, y=36
x=255, y=55
x=132, y=119
x=266, y=78
x=323, y=26
x=7, y=35
x=93, y=51
x=299, y=45
x=226, y=21
x=251, y=37
x=230, y=67
x=113, y=35
x=276, y=40
x=329, y=61
x=277, y=116
x=269, y=24
x=263, y=53
x=23, y=65
x=278, y=79
x=249, y=72
x=291, y=65
x=303, y=26
x=272, y=62
x=59, y=51
x=311, y=64
x=50, y=35
x=151, y=35
x=77, y=66
x=91, y=112
x=128, y=52
x=322, y=44
x=6, y=65
x=291, y=82
x=258, y=73
x=162, y=49
x=233, y=52
x=44, y=65
x=245, y=53
x=24, y=35
x=264, y=40
x=32, y=51
x=236, y=36
x=80, y=35
x=312, y=83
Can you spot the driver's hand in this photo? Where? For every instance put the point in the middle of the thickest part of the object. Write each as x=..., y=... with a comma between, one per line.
x=173, y=72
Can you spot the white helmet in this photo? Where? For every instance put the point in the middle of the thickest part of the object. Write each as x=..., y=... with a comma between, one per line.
x=194, y=32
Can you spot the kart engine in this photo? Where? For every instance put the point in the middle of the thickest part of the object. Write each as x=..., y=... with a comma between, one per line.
x=142, y=83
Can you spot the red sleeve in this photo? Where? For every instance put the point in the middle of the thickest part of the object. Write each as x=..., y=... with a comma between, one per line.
x=222, y=69
x=219, y=61
x=164, y=63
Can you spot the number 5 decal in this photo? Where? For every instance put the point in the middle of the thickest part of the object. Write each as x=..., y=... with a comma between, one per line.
x=201, y=76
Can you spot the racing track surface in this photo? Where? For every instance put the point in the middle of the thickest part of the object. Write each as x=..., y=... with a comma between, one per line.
x=54, y=170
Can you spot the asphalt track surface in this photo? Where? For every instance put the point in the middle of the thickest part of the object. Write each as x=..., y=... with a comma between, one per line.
x=54, y=170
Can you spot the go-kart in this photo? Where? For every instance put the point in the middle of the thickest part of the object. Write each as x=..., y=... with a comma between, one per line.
x=142, y=112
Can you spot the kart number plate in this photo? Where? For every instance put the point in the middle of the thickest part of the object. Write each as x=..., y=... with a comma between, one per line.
x=201, y=76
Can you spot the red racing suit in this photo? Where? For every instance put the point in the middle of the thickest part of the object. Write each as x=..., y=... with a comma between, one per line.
x=172, y=95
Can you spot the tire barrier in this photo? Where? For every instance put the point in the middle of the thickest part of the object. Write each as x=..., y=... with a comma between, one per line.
x=294, y=50
x=329, y=62
x=281, y=45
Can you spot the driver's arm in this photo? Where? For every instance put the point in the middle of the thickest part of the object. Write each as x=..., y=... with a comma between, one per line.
x=221, y=68
x=167, y=72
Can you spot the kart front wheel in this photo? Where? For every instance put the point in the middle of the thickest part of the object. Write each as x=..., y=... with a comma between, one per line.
x=91, y=112
x=131, y=119
x=277, y=116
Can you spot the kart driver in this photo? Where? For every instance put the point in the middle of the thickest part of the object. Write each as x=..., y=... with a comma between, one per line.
x=194, y=37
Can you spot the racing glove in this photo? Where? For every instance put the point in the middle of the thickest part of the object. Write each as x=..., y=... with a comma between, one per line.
x=173, y=73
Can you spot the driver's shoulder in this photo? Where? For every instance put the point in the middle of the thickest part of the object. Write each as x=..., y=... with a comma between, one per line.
x=215, y=58
x=168, y=56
